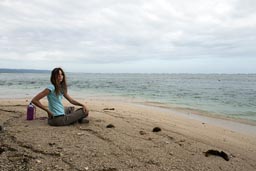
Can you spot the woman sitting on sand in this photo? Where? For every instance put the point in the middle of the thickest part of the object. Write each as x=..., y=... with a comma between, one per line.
x=57, y=114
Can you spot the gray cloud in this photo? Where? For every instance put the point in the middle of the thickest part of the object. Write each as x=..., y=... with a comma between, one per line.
x=97, y=31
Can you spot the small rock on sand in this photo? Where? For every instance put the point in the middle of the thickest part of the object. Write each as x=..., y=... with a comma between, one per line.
x=1, y=128
x=142, y=132
x=156, y=129
x=110, y=126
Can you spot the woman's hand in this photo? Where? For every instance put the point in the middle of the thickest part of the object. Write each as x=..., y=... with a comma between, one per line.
x=50, y=115
x=74, y=102
x=86, y=111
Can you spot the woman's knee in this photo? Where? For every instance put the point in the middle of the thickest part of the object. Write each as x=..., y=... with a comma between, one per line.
x=86, y=113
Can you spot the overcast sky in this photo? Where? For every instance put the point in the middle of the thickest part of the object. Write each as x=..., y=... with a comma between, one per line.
x=145, y=36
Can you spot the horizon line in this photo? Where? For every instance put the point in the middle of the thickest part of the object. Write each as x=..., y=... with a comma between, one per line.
x=17, y=70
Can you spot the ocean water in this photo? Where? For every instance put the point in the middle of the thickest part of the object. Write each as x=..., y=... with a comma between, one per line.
x=231, y=95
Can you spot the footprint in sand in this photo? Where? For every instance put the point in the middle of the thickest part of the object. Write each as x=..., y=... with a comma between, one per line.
x=142, y=132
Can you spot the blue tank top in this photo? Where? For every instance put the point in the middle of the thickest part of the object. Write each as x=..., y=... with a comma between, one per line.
x=55, y=101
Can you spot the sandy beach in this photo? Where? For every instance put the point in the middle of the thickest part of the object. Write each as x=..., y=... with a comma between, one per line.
x=120, y=137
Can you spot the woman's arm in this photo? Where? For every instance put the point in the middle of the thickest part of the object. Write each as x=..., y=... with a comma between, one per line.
x=38, y=97
x=74, y=102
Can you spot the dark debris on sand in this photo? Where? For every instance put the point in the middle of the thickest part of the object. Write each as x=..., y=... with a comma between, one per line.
x=156, y=129
x=110, y=126
x=217, y=153
x=109, y=109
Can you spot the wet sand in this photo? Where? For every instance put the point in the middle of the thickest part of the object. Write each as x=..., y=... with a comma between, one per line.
x=120, y=137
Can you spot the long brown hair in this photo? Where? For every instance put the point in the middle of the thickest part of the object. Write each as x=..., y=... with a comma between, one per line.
x=62, y=87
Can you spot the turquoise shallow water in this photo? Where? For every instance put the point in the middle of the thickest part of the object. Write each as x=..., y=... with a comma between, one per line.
x=232, y=95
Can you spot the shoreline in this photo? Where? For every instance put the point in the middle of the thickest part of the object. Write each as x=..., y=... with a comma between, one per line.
x=237, y=125
x=234, y=124
x=162, y=104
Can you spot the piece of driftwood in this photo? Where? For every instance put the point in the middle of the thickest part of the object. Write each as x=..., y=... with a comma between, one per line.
x=109, y=109
x=217, y=153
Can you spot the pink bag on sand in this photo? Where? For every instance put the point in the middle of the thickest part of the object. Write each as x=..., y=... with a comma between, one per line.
x=31, y=111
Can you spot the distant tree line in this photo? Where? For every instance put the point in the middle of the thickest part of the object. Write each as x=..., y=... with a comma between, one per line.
x=7, y=70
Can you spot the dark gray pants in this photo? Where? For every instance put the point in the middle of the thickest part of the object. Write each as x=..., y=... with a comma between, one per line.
x=70, y=117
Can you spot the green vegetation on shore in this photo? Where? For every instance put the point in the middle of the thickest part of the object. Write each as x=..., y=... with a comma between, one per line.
x=8, y=70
